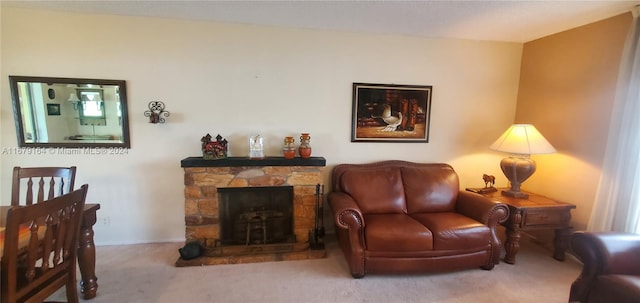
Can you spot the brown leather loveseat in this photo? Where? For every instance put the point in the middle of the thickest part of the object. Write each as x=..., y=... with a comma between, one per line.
x=611, y=267
x=404, y=217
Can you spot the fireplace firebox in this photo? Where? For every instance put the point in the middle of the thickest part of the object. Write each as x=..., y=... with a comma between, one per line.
x=256, y=215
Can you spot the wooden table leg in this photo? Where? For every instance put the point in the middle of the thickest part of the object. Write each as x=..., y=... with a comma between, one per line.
x=512, y=245
x=561, y=243
x=87, y=257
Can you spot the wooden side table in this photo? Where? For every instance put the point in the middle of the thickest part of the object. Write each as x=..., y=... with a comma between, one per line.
x=535, y=213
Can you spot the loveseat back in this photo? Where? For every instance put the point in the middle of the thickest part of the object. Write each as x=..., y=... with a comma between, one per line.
x=398, y=186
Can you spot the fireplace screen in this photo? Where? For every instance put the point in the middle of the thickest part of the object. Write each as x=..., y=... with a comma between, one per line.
x=256, y=215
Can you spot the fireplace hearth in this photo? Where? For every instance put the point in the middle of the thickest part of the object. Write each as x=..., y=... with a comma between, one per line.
x=252, y=210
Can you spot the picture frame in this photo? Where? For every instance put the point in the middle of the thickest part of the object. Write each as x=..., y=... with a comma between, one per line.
x=391, y=113
x=53, y=109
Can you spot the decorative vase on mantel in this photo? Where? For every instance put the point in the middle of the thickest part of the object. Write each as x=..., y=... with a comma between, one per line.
x=305, y=149
x=289, y=150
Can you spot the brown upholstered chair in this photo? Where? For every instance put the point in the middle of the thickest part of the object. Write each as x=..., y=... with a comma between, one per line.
x=404, y=217
x=28, y=181
x=40, y=248
x=611, y=267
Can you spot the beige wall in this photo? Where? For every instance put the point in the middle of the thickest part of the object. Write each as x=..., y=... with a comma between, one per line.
x=237, y=80
x=567, y=88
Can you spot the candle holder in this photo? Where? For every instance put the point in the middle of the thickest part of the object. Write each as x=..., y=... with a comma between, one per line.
x=156, y=112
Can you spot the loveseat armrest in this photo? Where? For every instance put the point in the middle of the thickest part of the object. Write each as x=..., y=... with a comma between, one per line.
x=481, y=209
x=349, y=230
x=603, y=253
x=488, y=212
x=345, y=211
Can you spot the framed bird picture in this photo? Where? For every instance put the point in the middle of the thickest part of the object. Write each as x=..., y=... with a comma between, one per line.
x=390, y=113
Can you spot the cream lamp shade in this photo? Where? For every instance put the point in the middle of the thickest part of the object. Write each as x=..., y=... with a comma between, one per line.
x=73, y=98
x=521, y=141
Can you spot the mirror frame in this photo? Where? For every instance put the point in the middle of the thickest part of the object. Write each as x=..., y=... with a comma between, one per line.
x=17, y=114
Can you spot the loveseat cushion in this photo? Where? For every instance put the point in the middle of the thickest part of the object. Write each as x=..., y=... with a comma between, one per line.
x=615, y=288
x=453, y=231
x=376, y=191
x=430, y=188
x=396, y=232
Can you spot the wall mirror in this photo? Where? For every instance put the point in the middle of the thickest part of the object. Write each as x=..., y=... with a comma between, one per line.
x=69, y=112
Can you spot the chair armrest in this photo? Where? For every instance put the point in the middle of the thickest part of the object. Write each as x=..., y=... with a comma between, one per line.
x=345, y=211
x=603, y=253
x=481, y=208
x=608, y=252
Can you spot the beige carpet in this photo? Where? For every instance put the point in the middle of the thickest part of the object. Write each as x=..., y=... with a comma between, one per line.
x=146, y=273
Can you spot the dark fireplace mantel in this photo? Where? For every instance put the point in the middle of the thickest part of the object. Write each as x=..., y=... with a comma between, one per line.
x=245, y=161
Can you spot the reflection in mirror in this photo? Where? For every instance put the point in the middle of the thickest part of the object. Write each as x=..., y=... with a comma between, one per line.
x=68, y=112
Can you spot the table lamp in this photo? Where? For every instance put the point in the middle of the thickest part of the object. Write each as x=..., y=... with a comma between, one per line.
x=74, y=100
x=521, y=141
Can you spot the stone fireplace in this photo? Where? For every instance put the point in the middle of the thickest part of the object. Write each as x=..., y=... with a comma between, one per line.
x=245, y=210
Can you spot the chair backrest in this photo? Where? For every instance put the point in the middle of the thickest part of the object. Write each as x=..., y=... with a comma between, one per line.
x=37, y=180
x=40, y=248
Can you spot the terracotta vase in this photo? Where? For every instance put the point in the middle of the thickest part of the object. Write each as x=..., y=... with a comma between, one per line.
x=305, y=149
x=289, y=150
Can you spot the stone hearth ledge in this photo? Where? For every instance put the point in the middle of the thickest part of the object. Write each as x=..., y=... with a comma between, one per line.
x=201, y=207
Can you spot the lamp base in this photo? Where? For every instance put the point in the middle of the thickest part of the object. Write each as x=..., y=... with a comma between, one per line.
x=515, y=194
x=517, y=169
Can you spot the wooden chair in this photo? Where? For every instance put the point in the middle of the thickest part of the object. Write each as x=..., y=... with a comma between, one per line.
x=49, y=178
x=47, y=261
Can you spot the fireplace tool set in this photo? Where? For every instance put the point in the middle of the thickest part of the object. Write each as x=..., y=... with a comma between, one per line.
x=316, y=236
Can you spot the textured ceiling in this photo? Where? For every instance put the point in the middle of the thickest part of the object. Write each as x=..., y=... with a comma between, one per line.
x=517, y=21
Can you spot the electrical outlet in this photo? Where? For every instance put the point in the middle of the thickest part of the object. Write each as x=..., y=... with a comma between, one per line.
x=106, y=220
